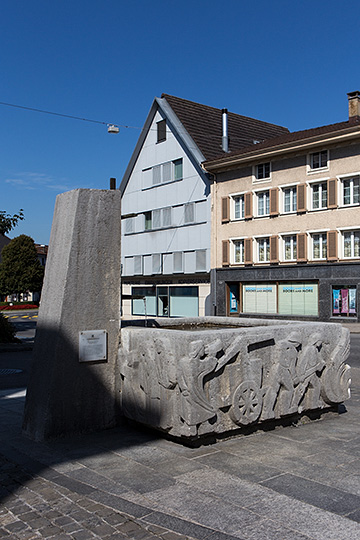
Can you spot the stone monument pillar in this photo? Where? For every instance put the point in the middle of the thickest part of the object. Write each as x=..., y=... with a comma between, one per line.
x=74, y=381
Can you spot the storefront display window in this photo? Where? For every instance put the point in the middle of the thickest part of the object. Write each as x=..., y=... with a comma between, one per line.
x=234, y=298
x=163, y=301
x=259, y=298
x=344, y=301
x=298, y=298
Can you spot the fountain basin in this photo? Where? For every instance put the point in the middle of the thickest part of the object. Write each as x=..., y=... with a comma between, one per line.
x=192, y=378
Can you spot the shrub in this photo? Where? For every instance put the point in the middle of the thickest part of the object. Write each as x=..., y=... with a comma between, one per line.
x=7, y=331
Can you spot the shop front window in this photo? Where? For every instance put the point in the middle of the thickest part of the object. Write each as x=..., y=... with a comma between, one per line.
x=344, y=301
x=163, y=301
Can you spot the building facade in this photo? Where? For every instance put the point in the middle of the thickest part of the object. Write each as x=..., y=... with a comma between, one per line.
x=166, y=206
x=286, y=225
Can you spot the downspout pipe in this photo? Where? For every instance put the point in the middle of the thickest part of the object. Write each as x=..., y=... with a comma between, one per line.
x=225, y=138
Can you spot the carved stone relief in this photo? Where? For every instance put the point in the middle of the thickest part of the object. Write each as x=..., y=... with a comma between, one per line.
x=195, y=383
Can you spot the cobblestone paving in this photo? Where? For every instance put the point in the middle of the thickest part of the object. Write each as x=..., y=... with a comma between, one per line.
x=35, y=508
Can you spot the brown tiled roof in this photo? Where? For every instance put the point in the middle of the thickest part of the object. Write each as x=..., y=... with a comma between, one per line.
x=41, y=249
x=204, y=125
x=288, y=138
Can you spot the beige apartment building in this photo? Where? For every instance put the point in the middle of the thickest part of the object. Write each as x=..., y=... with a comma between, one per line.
x=285, y=238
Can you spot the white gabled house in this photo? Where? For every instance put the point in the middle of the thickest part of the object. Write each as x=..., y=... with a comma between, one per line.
x=166, y=213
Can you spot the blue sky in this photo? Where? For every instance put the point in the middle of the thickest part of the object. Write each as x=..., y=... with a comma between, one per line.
x=285, y=62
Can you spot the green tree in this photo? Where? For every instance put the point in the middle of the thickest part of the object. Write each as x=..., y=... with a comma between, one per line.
x=8, y=222
x=20, y=269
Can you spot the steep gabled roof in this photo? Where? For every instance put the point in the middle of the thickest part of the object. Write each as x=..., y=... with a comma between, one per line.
x=199, y=129
x=287, y=142
x=204, y=125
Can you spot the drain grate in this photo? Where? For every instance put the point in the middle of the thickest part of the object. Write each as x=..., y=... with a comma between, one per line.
x=9, y=371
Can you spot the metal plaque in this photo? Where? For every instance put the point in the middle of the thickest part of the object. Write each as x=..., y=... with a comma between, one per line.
x=92, y=345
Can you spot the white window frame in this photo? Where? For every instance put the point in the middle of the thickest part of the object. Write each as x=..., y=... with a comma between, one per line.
x=293, y=247
x=319, y=183
x=322, y=239
x=310, y=162
x=349, y=178
x=263, y=242
x=352, y=233
x=234, y=243
x=264, y=192
x=233, y=198
x=293, y=199
x=256, y=172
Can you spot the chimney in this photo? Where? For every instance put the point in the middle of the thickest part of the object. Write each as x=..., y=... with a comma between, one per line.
x=354, y=105
x=225, y=138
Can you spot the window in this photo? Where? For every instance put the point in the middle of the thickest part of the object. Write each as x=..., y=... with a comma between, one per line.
x=167, y=172
x=350, y=188
x=157, y=219
x=319, y=246
x=319, y=160
x=238, y=251
x=129, y=225
x=161, y=131
x=319, y=195
x=143, y=301
x=263, y=171
x=200, y=260
x=344, y=301
x=351, y=241
x=138, y=267
x=189, y=213
x=290, y=248
x=263, y=249
x=165, y=301
x=239, y=207
x=178, y=261
x=147, y=221
x=263, y=200
x=156, y=263
x=290, y=202
x=178, y=169
x=166, y=217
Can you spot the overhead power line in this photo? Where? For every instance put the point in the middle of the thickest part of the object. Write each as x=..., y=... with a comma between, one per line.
x=66, y=115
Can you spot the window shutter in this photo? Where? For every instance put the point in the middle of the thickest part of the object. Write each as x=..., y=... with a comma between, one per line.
x=301, y=197
x=332, y=246
x=332, y=193
x=274, y=202
x=274, y=243
x=225, y=209
x=301, y=242
x=248, y=205
x=225, y=253
x=248, y=251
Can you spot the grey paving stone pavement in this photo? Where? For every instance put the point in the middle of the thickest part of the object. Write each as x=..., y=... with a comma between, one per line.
x=300, y=482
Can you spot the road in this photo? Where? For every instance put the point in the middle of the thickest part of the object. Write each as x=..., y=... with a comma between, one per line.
x=24, y=322
x=15, y=365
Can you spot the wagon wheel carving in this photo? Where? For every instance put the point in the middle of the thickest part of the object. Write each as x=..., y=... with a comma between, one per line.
x=246, y=403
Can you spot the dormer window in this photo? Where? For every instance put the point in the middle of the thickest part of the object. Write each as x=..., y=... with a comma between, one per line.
x=263, y=171
x=319, y=160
